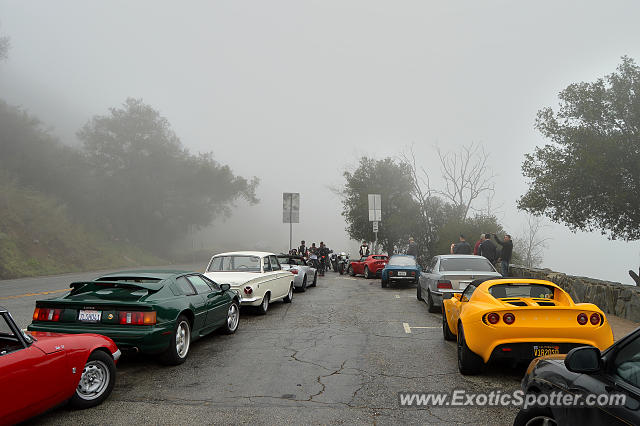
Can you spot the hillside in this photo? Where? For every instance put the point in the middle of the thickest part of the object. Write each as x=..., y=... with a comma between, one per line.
x=37, y=237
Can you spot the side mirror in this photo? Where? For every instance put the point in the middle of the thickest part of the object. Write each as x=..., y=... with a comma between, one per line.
x=585, y=359
x=225, y=287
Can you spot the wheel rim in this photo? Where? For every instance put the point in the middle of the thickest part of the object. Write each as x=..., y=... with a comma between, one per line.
x=183, y=339
x=460, y=337
x=265, y=302
x=542, y=421
x=290, y=295
x=233, y=317
x=94, y=380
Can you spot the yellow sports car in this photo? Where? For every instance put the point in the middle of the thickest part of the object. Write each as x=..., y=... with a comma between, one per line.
x=519, y=319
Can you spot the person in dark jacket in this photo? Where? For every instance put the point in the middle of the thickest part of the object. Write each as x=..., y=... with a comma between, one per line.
x=413, y=248
x=505, y=254
x=488, y=249
x=461, y=247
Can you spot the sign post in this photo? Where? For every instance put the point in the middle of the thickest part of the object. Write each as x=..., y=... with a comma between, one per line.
x=290, y=212
x=375, y=214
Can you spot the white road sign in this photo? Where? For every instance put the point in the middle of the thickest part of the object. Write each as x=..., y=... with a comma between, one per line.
x=375, y=208
x=375, y=226
x=290, y=207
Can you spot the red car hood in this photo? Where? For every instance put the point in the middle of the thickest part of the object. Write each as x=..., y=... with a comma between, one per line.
x=50, y=342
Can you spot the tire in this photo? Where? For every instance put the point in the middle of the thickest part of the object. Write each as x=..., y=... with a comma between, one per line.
x=432, y=308
x=446, y=330
x=367, y=275
x=341, y=270
x=179, y=344
x=350, y=271
x=315, y=280
x=469, y=363
x=419, y=294
x=233, y=318
x=264, y=306
x=96, y=382
x=304, y=284
x=384, y=283
x=535, y=416
x=289, y=297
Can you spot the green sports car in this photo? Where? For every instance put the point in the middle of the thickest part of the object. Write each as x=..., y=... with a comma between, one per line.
x=150, y=311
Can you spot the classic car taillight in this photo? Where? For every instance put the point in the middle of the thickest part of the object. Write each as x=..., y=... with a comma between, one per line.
x=293, y=271
x=248, y=290
x=444, y=284
x=413, y=273
x=509, y=318
x=47, y=314
x=595, y=319
x=582, y=318
x=493, y=318
x=137, y=318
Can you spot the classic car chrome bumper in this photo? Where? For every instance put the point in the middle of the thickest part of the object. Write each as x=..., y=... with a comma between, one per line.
x=116, y=355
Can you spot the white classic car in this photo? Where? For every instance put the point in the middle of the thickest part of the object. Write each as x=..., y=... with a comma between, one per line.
x=257, y=277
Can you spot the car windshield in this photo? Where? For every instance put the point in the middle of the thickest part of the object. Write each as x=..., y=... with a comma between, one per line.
x=500, y=291
x=479, y=264
x=290, y=261
x=402, y=261
x=234, y=264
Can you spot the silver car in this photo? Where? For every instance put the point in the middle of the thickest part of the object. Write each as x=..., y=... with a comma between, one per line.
x=451, y=273
x=305, y=275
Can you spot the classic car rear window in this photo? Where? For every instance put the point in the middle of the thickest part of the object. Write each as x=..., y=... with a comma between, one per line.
x=402, y=261
x=466, y=264
x=379, y=257
x=235, y=264
x=290, y=261
x=500, y=291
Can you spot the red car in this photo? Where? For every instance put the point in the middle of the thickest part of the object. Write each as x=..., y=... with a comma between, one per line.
x=370, y=266
x=41, y=370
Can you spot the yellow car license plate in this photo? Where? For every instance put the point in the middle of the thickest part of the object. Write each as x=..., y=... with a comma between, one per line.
x=545, y=350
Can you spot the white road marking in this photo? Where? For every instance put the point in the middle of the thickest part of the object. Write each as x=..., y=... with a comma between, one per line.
x=397, y=296
x=407, y=329
x=424, y=327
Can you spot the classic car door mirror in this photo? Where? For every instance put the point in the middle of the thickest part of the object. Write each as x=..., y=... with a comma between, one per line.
x=225, y=287
x=585, y=359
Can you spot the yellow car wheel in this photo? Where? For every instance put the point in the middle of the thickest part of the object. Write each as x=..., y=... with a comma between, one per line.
x=446, y=331
x=469, y=363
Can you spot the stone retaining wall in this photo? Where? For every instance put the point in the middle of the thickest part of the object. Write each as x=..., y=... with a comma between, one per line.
x=613, y=298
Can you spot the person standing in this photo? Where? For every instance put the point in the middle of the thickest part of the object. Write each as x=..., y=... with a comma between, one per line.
x=488, y=249
x=461, y=247
x=476, y=248
x=364, y=249
x=412, y=250
x=302, y=250
x=505, y=254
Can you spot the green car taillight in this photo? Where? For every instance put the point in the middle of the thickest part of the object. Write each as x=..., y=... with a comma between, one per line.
x=136, y=318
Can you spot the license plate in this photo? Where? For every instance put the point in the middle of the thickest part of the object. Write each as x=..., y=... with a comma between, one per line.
x=545, y=350
x=89, y=316
x=402, y=274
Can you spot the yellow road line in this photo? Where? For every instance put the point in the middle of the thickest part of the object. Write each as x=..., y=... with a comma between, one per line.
x=34, y=294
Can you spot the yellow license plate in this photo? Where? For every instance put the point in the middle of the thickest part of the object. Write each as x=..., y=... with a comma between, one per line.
x=545, y=350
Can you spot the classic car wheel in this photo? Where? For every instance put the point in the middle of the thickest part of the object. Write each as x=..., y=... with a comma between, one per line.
x=178, y=349
x=419, y=293
x=315, y=280
x=384, y=283
x=535, y=416
x=233, y=318
x=96, y=382
x=289, y=297
x=432, y=308
x=350, y=271
x=446, y=331
x=367, y=273
x=304, y=284
x=469, y=363
x=264, y=306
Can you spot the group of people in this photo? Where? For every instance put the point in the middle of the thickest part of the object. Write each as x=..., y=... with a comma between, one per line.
x=486, y=247
x=317, y=255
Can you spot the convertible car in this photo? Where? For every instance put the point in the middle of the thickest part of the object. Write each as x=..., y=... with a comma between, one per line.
x=369, y=266
x=303, y=274
x=41, y=370
x=401, y=268
x=255, y=275
x=150, y=311
x=519, y=319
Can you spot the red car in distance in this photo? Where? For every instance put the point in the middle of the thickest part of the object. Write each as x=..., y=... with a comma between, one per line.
x=41, y=370
x=370, y=266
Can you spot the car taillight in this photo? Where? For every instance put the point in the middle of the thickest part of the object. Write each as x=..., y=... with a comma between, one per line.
x=509, y=318
x=248, y=290
x=595, y=319
x=47, y=314
x=582, y=319
x=137, y=318
x=413, y=274
x=493, y=318
x=293, y=271
x=444, y=284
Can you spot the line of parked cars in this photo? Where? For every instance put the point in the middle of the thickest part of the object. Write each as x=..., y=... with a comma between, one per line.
x=75, y=340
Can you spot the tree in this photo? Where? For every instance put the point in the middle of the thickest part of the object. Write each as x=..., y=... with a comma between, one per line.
x=392, y=180
x=588, y=176
x=4, y=47
x=531, y=243
x=148, y=188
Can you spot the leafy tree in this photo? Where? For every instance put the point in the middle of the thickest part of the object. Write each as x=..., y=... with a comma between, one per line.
x=148, y=187
x=392, y=180
x=4, y=47
x=588, y=176
x=470, y=227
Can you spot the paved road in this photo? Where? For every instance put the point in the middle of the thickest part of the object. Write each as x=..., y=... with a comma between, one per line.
x=340, y=353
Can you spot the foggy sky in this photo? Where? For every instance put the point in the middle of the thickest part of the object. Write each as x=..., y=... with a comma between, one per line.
x=295, y=91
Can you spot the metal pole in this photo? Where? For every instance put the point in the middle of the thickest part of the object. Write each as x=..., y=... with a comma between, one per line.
x=290, y=223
